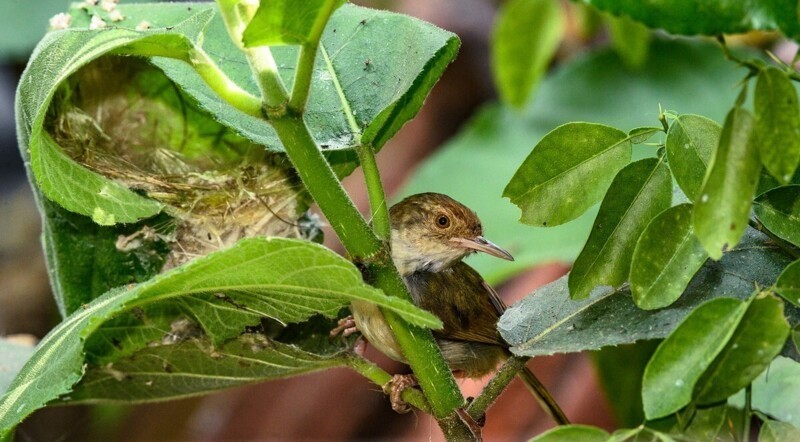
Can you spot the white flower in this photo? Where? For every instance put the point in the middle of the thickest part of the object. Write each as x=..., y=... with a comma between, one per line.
x=90, y=2
x=97, y=23
x=115, y=15
x=143, y=25
x=109, y=5
x=60, y=21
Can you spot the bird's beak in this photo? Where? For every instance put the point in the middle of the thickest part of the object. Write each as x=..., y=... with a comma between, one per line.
x=482, y=244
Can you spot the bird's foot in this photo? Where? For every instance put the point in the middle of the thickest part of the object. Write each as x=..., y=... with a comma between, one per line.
x=345, y=327
x=394, y=389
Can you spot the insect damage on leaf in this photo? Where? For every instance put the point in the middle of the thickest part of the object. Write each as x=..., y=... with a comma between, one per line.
x=124, y=119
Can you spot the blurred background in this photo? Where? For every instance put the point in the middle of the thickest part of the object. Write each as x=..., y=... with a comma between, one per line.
x=467, y=142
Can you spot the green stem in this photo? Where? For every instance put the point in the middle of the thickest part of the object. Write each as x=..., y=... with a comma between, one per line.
x=380, y=377
x=273, y=92
x=305, y=63
x=420, y=349
x=512, y=366
x=748, y=393
x=223, y=85
x=214, y=77
x=324, y=187
x=377, y=198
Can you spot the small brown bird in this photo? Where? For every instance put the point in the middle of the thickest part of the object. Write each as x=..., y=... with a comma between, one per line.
x=430, y=234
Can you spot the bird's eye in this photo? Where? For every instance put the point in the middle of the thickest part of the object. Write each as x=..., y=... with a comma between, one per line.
x=443, y=221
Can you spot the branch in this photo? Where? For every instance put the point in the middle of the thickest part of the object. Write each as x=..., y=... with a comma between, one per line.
x=377, y=198
x=512, y=366
x=305, y=63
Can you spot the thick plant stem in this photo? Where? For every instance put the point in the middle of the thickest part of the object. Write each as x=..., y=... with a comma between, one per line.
x=325, y=188
x=377, y=198
x=420, y=350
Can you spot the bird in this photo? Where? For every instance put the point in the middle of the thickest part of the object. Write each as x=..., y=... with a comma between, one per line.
x=431, y=233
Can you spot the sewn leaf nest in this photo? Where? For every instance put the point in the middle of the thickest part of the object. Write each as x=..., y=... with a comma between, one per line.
x=124, y=119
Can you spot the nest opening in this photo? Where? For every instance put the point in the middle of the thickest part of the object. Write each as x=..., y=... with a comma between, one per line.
x=123, y=118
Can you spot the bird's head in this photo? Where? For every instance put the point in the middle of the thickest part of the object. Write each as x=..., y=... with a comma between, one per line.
x=431, y=232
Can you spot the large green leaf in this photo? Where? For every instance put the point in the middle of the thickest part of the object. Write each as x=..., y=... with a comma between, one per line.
x=288, y=280
x=777, y=126
x=666, y=258
x=526, y=36
x=709, y=17
x=779, y=211
x=84, y=260
x=474, y=167
x=722, y=210
x=58, y=55
x=720, y=348
x=282, y=22
x=548, y=321
x=678, y=363
x=15, y=355
x=568, y=171
x=194, y=367
x=361, y=92
x=777, y=391
x=638, y=193
x=690, y=144
x=756, y=341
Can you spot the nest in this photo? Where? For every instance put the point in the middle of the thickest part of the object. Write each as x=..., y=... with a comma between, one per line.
x=124, y=119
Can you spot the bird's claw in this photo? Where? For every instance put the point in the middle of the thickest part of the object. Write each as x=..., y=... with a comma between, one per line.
x=395, y=388
x=345, y=327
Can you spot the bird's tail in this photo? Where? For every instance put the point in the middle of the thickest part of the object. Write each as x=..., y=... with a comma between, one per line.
x=544, y=397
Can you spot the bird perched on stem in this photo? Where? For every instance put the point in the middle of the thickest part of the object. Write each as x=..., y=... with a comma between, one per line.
x=430, y=234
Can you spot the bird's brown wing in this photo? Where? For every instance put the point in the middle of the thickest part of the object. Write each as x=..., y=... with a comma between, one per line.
x=466, y=304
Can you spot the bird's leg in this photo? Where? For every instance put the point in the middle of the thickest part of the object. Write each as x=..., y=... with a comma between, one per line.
x=394, y=389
